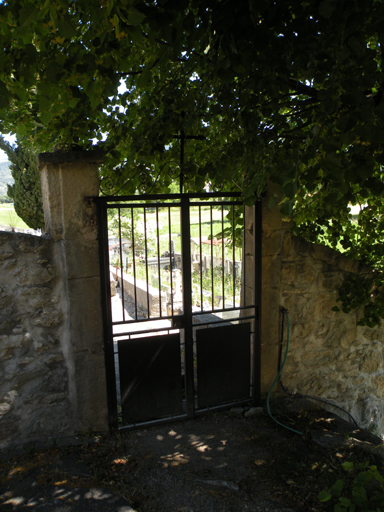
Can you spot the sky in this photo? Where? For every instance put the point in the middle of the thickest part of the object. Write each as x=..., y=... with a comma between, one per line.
x=9, y=138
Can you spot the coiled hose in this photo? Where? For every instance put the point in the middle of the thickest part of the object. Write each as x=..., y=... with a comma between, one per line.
x=299, y=395
x=285, y=312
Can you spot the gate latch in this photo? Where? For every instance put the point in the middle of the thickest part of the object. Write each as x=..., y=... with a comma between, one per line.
x=178, y=322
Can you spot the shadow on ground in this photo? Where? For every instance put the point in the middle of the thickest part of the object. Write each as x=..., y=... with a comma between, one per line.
x=216, y=462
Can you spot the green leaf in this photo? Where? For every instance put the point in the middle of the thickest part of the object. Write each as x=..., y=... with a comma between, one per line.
x=348, y=466
x=46, y=117
x=66, y=29
x=324, y=496
x=27, y=15
x=117, y=24
x=337, y=487
x=134, y=16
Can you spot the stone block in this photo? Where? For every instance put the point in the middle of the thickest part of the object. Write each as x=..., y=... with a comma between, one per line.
x=43, y=422
x=29, y=275
x=272, y=245
x=348, y=337
x=82, y=258
x=330, y=280
x=302, y=331
x=379, y=385
x=300, y=307
x=288, y=274
x=271, y=277
x=86, y=315
x=306, y=275
x=5, y=255
x=48, y=317
x=324, y=304
x=369, y=366
x=317, y=359
x=92, y=410
x=371, y=334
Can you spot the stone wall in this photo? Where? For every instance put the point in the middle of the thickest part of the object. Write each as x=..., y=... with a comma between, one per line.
x=329, y=357
x=52, y=365
x=33, y=366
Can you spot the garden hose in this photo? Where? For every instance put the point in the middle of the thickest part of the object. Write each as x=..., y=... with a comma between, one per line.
x=298, y=395
x=278, y=377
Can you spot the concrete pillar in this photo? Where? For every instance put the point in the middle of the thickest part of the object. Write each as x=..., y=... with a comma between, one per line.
x=276, y=239
x=275, y=243
x=69, y=180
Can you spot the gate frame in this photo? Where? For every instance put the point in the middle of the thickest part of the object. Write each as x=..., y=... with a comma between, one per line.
x=185, y=204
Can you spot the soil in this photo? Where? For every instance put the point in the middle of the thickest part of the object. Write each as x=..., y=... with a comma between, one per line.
x=217, y=462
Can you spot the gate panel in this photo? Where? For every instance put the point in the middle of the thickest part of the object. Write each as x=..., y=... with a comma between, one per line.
x=150, y=378
x=182, y=331
x=223, y=364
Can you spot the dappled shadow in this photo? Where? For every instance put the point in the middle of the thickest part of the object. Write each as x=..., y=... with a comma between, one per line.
x=218, y=461
x=60, y=499
x=52, y=481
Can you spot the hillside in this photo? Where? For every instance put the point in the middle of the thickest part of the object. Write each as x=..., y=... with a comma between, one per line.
x=5, y=177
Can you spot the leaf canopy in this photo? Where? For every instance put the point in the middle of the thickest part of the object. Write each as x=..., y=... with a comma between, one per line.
x=287, y=91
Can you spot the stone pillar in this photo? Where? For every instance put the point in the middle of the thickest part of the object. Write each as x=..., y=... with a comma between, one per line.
x=276, y=238
x=69, y=181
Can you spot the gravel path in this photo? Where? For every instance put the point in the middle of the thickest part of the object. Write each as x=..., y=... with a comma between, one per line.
x=203, y=465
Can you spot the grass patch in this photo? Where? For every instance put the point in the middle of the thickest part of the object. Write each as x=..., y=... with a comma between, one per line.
x=8, y=217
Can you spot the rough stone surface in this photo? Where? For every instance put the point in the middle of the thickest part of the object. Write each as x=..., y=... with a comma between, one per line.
x=34, y=385
x=52, y=368
x=329, y=356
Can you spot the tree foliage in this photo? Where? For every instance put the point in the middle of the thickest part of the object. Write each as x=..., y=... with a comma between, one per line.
x=26, y=190
x=288, y=91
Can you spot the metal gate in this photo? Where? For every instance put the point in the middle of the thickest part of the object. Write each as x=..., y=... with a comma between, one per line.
x=181, y=305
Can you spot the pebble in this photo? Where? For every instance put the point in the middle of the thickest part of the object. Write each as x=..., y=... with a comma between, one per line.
x=253, y=411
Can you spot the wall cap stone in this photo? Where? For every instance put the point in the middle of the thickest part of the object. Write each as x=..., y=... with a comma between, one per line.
x=64, y=156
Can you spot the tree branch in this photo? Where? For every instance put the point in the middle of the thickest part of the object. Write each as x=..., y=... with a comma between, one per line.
x=301, y=88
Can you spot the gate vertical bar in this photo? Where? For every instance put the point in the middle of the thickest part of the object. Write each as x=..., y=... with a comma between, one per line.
x=158, y=259
x=212, y=282
x=257, y=272
x=107, y=313
x=187, y=301
x=134, y=260
x=121, y=265
x=146, y=260
x=201, y=263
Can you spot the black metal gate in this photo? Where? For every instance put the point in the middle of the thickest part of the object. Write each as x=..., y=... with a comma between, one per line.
x=181, y=303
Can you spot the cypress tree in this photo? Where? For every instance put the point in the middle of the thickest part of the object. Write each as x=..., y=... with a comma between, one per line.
x=26, y=191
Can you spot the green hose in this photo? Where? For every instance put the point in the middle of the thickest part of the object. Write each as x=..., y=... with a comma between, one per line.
x=278, y=377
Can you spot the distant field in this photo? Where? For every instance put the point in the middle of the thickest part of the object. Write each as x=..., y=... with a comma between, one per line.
x=8, y=217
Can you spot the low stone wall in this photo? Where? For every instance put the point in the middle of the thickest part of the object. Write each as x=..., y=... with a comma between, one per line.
x=34, y=400
x=142, y=293
x=330, y=356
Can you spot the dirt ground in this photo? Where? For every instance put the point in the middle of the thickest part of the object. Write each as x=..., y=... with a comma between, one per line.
x=217, y=462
